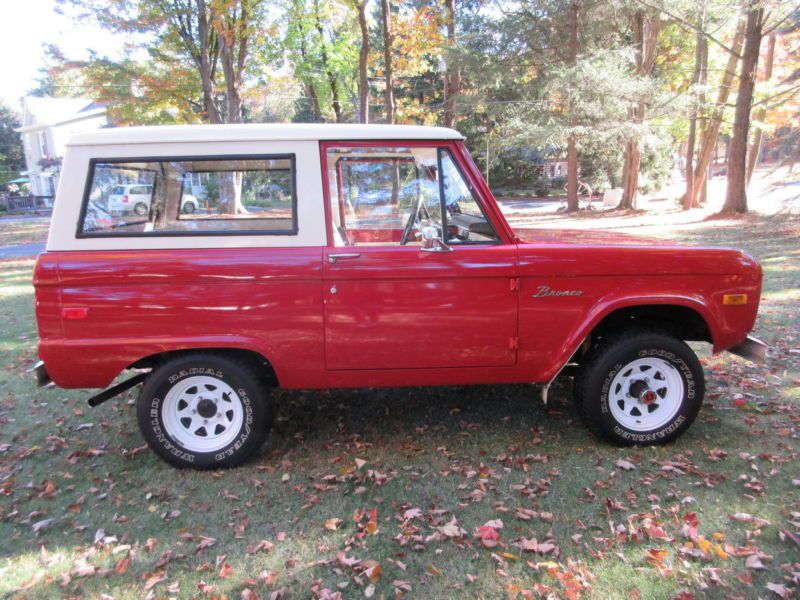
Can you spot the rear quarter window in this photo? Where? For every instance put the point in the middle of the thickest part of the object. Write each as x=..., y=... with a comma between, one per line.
x=249, y=195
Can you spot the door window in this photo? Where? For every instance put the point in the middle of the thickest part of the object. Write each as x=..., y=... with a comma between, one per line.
x=387, y=196
x=466, y=221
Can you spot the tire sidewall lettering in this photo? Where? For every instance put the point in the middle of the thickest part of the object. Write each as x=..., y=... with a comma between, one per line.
x=690, y=390
x=167, y=442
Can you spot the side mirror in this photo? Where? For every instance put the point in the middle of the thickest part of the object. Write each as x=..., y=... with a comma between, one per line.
x=432, y=240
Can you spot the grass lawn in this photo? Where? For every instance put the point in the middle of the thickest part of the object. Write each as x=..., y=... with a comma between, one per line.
x=23, y=230
x=381, y=492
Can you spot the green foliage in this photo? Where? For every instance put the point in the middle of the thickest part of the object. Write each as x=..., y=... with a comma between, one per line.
x=321, y=40
x=656, y=164
x=519, y=85
x=518, y=171
x=12, y=154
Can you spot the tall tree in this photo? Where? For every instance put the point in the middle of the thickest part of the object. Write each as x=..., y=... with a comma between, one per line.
x=700, y=51
x=736, y=195
x=232, y=21
x=761, y=112
x=297, y=39
x=207, y=34
x=333, y=82
x=572, y=149
x=12, y=156
x=363, y=60
x=452, y=78
x=644, y=26
x=710, y=133
x=388, y=43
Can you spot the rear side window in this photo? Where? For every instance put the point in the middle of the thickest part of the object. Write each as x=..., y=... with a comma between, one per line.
x=190, y=196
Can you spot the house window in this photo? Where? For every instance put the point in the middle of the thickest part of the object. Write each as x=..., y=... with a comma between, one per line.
x=43, y=151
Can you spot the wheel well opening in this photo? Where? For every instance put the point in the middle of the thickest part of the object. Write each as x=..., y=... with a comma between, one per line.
x=680, y=321
x=256, y=360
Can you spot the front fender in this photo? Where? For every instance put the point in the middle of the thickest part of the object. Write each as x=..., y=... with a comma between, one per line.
x=607, y=306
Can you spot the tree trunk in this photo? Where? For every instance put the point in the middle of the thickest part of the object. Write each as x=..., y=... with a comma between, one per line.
x=233, y=83
x=761, y=113
x=736, y=196
x=452, y=78
x=711, y=132
x=363, y=58
x=386, y=16
x=644, y=28
x=698, y=62
x=336, y=102
x=309, y=85
x=702, y=121
x=572, y=150
x=206, y=62
x=312, y=93
x=233, y=34
x=630, y=174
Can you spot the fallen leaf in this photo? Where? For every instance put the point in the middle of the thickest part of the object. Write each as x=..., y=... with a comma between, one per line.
x=154, y=579
x=780, y=590
x=205, y=542
x=754, y=562
x=41, y=525
x=624, y=464
x=226, y=570
x=122, y=566
x=262, y=546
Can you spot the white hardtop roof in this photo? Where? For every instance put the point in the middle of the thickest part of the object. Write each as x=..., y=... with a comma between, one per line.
x=257, y=132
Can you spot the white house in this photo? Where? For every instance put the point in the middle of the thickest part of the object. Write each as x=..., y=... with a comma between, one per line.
x=47, y=123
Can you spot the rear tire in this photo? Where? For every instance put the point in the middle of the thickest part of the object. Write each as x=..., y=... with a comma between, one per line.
x=204, y=411
x=140, y=209
x=640, y=387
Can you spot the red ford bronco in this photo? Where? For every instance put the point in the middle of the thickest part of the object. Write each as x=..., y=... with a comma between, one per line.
x=355, y=256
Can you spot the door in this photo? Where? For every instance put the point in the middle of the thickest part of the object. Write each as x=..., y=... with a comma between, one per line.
x=416, y=277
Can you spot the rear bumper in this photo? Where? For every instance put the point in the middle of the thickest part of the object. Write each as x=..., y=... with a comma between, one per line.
x=751, y=349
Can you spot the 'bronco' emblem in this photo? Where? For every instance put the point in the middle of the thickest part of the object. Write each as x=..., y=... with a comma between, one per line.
x=544, y=291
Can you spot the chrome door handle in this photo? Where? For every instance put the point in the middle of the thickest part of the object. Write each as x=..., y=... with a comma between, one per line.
x=332, y=258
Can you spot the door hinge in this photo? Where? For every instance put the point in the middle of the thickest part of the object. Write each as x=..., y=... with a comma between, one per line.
x=513, y=343
x=514, y=284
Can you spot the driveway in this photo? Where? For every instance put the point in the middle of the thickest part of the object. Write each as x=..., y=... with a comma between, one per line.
x=21, y=250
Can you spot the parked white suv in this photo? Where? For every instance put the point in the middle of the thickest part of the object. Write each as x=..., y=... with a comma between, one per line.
x=137, y=198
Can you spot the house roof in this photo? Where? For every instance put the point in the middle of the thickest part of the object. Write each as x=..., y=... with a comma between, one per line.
x=260, y=132
x=39, y=113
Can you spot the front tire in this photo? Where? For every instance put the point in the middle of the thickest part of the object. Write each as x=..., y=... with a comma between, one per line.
x=140, y=209
x=204, y=411
x=641, y=387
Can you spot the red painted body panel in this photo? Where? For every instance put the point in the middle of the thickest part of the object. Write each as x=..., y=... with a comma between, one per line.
x=268, y=300
x=398, y=316
x=614, y=277
x=401, y=308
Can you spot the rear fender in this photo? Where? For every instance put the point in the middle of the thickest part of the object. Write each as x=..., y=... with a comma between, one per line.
x=97, y=363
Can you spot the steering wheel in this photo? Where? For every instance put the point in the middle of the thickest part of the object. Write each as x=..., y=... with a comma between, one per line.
x=413, y=217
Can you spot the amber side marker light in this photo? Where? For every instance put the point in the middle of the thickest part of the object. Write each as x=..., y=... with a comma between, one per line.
x=734, y=299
